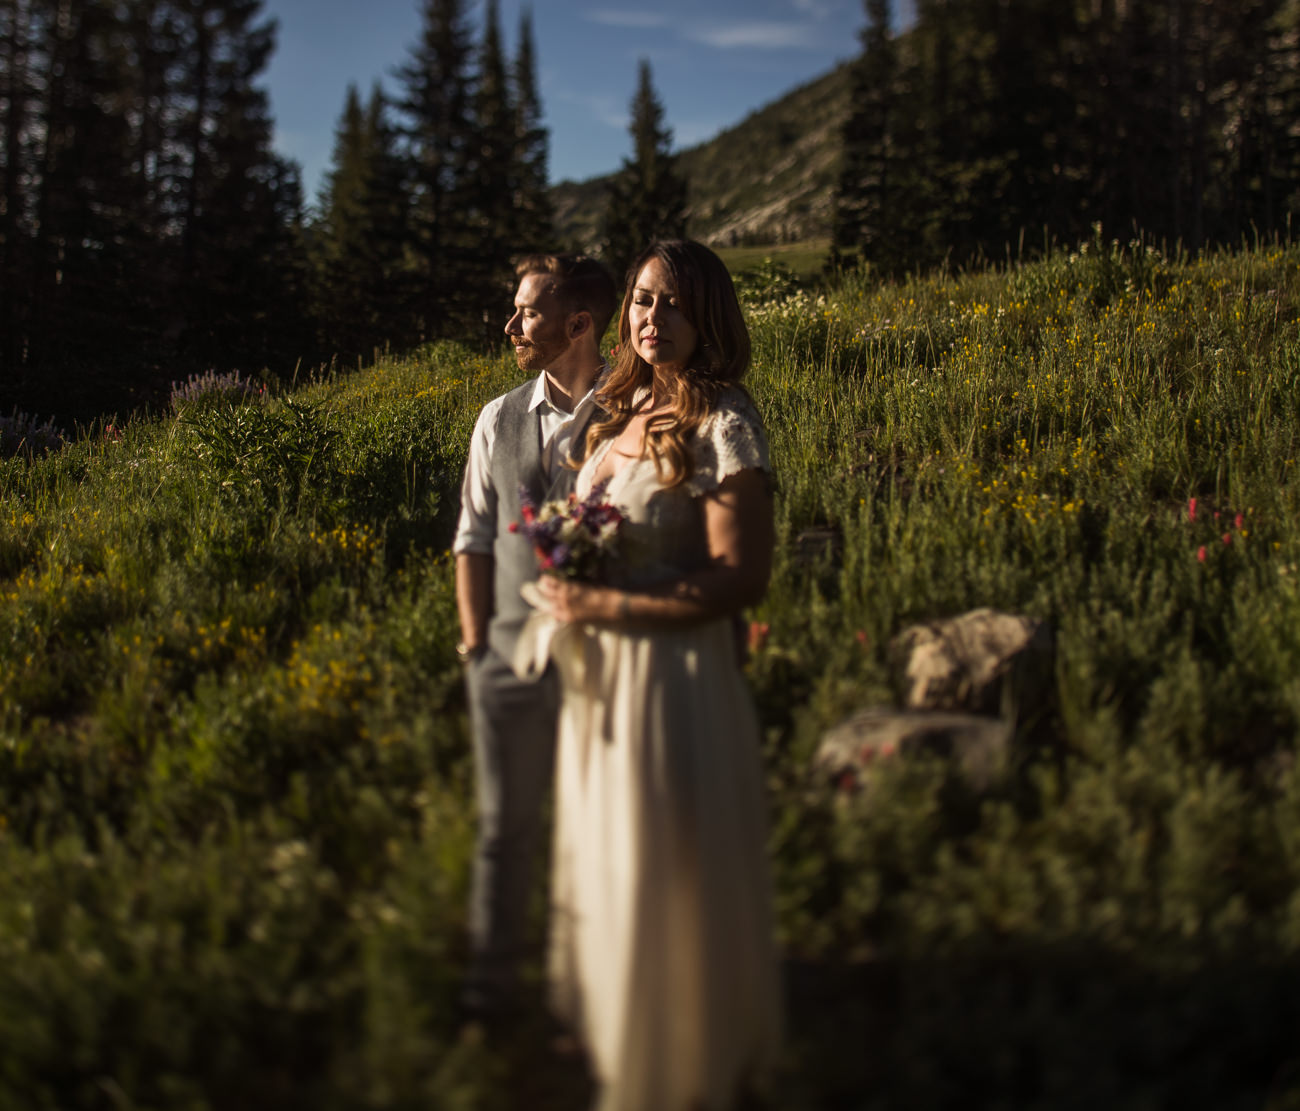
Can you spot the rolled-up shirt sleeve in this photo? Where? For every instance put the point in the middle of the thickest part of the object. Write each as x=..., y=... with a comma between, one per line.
x=476, y=528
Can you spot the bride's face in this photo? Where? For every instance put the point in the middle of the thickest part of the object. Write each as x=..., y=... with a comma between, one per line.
x=661, y=334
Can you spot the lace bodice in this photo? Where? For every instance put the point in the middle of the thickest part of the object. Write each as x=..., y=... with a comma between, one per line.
x=663, y=536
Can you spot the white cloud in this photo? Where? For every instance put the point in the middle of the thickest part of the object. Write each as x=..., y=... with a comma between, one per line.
x=627, y=19
x=605, y=109
x=755, y=35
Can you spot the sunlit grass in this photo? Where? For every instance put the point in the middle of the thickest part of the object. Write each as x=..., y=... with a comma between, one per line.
x=236, y=800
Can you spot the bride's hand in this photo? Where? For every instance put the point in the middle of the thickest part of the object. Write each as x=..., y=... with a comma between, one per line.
x=578, y=602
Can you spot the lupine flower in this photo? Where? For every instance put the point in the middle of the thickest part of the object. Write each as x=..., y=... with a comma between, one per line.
x=229, y=385
x=1191, y=509
x=758, y=631
x=1200, y=554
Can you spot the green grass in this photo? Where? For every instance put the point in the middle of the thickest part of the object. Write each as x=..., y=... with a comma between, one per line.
x=235, y=790
x=805, y=259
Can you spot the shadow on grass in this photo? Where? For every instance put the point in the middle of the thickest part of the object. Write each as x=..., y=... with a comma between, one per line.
x=1045, y=1027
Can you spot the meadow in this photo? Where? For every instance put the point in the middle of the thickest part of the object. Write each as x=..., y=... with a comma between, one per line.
x=236, y=804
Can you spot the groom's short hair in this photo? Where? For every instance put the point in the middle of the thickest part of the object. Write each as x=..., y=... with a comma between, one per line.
x=580, y=284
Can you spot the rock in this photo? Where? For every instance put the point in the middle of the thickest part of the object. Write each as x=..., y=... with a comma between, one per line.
x=977, y=744
x=981, y=662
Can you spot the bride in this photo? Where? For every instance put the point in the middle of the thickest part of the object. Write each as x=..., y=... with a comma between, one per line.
x=661, y=953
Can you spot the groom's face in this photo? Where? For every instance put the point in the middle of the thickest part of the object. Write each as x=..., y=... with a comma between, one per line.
x=538, y=328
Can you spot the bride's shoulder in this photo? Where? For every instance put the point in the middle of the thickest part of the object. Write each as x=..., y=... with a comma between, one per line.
x=730, y=439
x=733, y=406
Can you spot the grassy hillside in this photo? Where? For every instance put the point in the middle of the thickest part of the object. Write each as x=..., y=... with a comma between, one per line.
x=768, y=180
x=236, y=794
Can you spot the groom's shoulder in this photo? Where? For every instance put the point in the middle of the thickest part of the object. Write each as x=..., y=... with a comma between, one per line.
x=490, y=414
x=521, y=393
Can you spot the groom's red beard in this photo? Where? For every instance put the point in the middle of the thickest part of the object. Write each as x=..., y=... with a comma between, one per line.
x=541, y=351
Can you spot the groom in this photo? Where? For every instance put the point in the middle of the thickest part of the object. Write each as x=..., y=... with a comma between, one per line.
x=522, y=439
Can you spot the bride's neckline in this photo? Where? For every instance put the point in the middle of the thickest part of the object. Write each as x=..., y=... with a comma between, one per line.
x=611, y=448
x=606, y=450
x=640, y=410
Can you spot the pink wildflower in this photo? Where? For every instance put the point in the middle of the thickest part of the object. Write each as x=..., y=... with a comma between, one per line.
x=1238, y=521
x=1200, y=554
x=758, y=631
x=1227, y=538
x=1191, y=509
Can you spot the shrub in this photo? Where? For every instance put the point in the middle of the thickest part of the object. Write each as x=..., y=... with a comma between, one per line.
x=22, y=434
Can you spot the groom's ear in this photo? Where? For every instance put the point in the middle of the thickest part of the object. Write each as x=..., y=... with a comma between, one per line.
x=579, y=323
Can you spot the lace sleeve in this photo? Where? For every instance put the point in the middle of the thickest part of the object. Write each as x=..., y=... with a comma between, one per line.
x=731, y=439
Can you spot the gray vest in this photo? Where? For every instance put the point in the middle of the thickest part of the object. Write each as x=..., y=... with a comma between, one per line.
x=517, y=462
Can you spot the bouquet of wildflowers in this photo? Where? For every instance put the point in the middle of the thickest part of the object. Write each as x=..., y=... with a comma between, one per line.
x=573, y=538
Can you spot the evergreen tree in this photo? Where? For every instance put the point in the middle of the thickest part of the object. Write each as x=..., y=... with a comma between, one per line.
x=491, y=218
x=357, y=243
x=19, y=32
x=1279, y=190
x=647, y=198
x=233, y=185
x=390, y=218
x=341, y=236
x=438, y=128
x=865, y=215
x=147, y=221
x=1258, y=76
x=534, y=218
x=82, y=273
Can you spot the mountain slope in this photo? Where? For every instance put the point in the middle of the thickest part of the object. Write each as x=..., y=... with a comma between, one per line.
x=769, y=179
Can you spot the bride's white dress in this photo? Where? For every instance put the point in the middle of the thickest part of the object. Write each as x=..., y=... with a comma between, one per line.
x=661, y=951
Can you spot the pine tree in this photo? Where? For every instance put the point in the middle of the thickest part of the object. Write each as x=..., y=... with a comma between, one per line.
x=491, y=217
x=86, y=194
x=436, y=107
x=73, y=267
x=232, y=191
x=1280, y=149
x=342, y=236
x=865, y=218
x=19, y=104
x=647, y=198
x=357, y=242
x=534, y=217
x=147, y=227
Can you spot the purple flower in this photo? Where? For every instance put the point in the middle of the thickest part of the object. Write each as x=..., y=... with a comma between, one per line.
x=575, y=537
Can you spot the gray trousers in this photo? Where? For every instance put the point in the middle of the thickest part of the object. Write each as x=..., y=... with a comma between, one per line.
x=514, y=725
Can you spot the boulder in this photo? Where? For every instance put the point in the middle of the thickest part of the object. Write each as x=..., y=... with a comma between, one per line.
x=980, y=662
x=977, y=744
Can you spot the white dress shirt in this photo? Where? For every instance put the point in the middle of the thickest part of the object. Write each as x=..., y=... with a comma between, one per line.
x=476, y=529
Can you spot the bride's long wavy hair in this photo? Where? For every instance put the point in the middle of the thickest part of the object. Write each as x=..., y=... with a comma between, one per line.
x=708, y=300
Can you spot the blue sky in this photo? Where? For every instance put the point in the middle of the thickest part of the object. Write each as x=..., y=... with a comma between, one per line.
x=713, y=61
